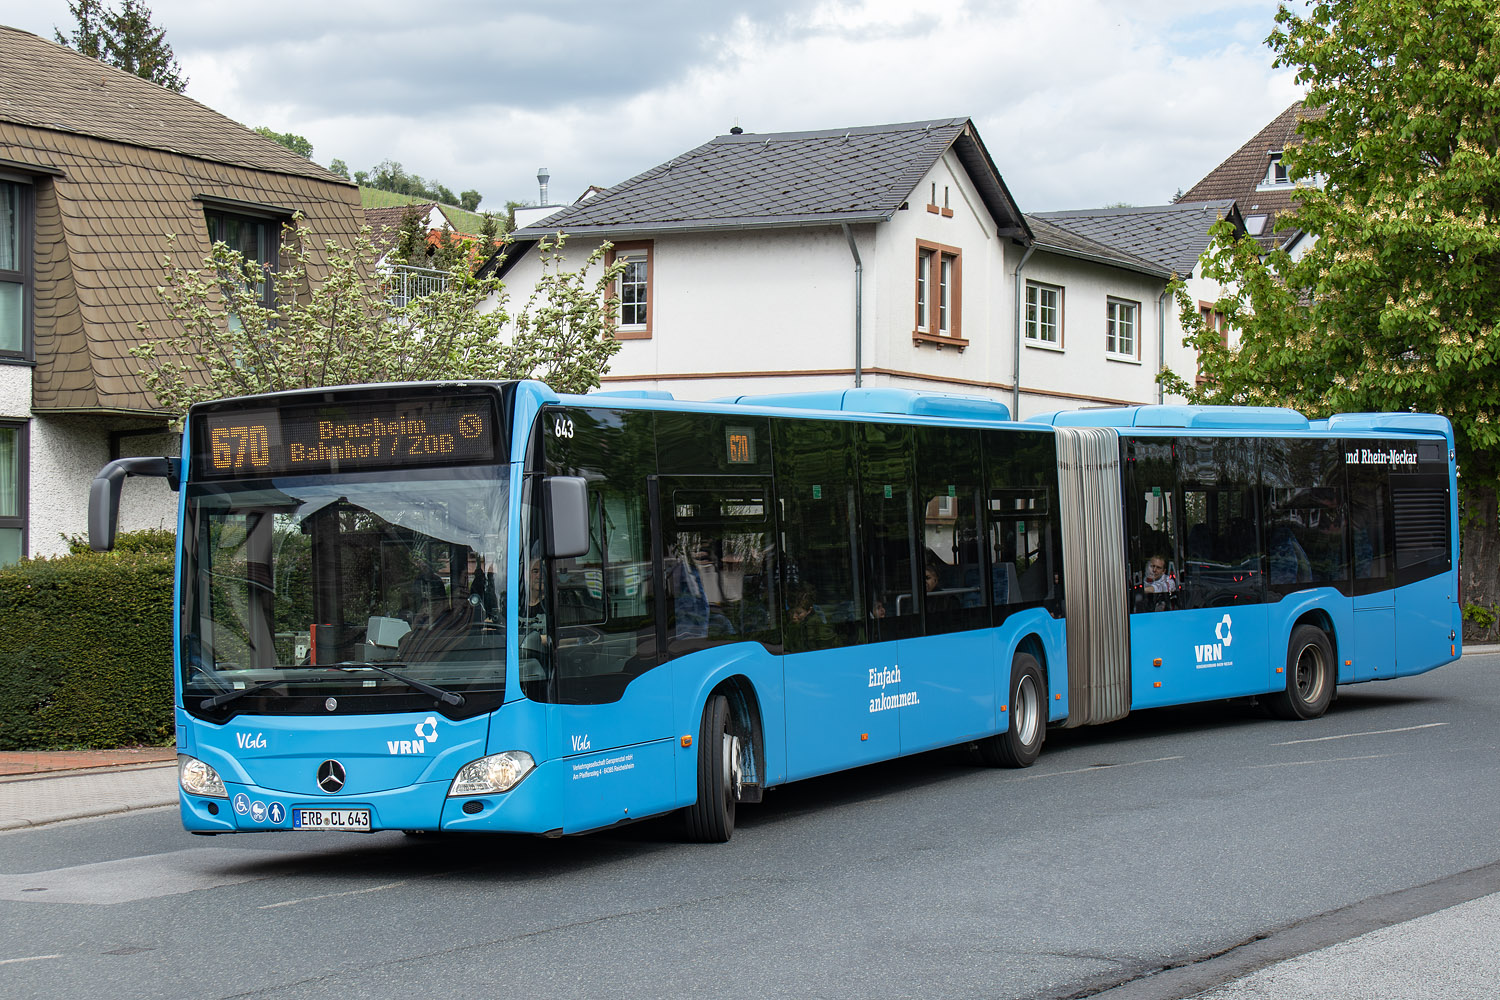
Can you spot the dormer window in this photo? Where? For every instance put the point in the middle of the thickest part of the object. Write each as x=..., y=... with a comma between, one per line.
x=1276, y=175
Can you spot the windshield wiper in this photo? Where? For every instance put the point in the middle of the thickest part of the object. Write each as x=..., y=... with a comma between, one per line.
x=446, y=697
x=223, y=699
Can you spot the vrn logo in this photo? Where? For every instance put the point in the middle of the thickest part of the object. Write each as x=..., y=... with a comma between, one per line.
x=248, y=742
x=426, y=730
x=1213, y=652
x=581, y=743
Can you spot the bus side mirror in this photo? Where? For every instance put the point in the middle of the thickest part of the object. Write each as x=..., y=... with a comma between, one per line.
x=104, y=494
x=568, y=511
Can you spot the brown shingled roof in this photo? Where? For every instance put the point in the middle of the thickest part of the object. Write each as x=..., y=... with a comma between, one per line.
x=50, y=86
x=385, y=224
x=116, y=167
x=1240, y=176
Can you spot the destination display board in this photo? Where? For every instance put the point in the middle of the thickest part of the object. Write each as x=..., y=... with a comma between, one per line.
x=346, y=436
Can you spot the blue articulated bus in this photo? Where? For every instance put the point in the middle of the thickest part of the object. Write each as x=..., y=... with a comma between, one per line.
x=490, y=607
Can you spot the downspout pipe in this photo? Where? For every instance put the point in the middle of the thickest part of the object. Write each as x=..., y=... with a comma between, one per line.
x=1015, y=373
x=859, y=307
x=1161, y=342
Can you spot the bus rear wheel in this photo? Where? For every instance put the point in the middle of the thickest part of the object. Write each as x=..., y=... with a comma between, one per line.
x=1310, y=675
x=710, y=820
x=1022, y=740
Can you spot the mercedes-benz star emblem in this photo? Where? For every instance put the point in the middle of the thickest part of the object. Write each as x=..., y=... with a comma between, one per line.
x=330, y=776
x=331, y=704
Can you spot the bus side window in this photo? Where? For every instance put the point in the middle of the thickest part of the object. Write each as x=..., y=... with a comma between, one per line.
x=1370, y=525
x=580, y=580
x=815, y=494
x=1220, y=557
x=893, y=572
x=1021, y=530
x=1151, y=477
x=1302, y=486
x=948, y=476
x=605, y=621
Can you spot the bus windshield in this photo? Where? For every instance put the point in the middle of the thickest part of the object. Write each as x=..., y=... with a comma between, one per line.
x=360, y=594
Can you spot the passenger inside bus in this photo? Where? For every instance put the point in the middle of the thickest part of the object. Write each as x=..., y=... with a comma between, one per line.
x=1157, y=580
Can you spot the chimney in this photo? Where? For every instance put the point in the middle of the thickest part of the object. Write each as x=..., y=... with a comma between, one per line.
x=541, y=178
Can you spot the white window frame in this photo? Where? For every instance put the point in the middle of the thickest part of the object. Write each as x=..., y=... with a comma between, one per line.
x=1276, y=175
x=1038, y=332
x=1122, y=329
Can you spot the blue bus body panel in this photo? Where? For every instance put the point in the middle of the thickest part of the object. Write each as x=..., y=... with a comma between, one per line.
x=400, y=766
x=1205, y=653
x=615, y=757
x=830, y=723
x=952, y=680
x=1429, y=623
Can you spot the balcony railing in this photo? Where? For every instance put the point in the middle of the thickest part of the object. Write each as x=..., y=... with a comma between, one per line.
x=406, y=283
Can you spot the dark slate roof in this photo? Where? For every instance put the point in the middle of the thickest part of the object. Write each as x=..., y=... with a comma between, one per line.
x=1239, y=176
x=50, y=86
x=1056, y=239
x=783, y=179
x=1170, y=236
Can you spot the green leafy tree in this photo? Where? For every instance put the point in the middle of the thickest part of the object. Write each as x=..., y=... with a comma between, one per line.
x=1396, y=305
x=334, y=321
x=124, y=38
x=339, y=167
x=491, y=228
x=296, y=143
x=388, y=175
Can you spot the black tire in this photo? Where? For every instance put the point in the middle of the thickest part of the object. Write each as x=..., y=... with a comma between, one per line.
x=1310, y=676
x=710, y=820
x=1022, y=741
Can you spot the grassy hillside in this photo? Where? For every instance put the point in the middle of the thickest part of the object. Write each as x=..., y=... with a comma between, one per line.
x=464, y=222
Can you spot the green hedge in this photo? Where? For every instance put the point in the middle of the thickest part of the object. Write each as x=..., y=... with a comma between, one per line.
x=86, y=649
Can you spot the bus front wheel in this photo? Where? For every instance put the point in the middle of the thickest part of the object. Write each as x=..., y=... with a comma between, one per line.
x=1021, y=742
x=710, y=820
x=1310, y=676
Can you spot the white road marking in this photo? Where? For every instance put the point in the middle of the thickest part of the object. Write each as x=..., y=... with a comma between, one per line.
x=29, y=958
x=331, y=895
x=1100, y=767
x=1373, y=732
x=1327, y=760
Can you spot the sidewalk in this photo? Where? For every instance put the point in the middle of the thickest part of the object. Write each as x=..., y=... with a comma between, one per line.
x=41, y=787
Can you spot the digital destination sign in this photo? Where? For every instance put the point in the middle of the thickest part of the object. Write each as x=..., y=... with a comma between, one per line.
x=345, y=437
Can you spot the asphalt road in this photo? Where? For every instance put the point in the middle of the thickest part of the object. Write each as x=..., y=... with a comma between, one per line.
x=1166, y=838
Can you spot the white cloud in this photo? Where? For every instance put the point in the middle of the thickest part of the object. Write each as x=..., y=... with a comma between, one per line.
x=1081, y=102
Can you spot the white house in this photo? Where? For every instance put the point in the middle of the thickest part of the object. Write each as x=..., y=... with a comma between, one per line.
x=888, y=255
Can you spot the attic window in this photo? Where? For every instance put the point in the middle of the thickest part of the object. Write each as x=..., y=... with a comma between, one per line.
x=1276, y=175
x=1255, y=224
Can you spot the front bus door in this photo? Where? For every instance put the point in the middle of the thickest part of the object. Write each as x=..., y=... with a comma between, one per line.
x=590, y=645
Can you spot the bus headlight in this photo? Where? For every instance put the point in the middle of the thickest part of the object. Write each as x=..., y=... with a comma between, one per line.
x=497, y=773
x=197, y=778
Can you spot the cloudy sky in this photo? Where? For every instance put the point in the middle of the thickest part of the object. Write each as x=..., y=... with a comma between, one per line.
x=1082, y=103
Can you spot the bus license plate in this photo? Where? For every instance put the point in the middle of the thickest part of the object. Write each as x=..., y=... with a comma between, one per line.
x=331, y=819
